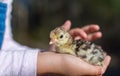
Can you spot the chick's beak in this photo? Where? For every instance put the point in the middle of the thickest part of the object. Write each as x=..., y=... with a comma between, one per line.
x=52, y=41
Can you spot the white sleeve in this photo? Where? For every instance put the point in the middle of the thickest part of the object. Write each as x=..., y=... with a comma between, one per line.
x=8, y=33
x=21, y=62
x=16, y=59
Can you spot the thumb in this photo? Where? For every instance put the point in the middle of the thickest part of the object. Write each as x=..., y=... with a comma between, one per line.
x=67, y=25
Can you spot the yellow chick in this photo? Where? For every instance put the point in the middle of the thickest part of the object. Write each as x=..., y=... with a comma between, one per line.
x=64, y=43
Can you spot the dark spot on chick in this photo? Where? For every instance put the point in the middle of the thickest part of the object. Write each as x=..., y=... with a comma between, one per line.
x=97, y=47
x=91, y=58
x=79, y=42
x=83, y=56
x=76, y=51
x=86, y=47
x=100, y=59
x=95, y=51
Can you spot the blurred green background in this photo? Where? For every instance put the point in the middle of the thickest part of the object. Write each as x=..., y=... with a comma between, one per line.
x=33, y=20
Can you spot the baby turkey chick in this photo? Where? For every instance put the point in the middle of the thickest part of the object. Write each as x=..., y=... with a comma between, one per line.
x=64, y=43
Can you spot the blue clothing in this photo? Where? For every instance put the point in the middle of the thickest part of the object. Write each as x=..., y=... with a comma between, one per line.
x=3, y=8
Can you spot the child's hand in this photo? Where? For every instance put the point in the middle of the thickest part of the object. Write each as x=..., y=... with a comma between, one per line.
x=50, y=62
x=89, y=32
x=68, y=65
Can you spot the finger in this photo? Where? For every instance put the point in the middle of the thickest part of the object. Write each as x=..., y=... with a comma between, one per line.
x=106, y=63
x=91, y=28
x=78, y=33
x=94, y=36
x=67, y=25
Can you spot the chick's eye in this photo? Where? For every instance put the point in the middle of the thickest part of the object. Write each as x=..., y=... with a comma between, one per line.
x=61, y=36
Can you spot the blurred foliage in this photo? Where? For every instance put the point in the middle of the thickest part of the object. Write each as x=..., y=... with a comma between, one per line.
x=33, y=19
